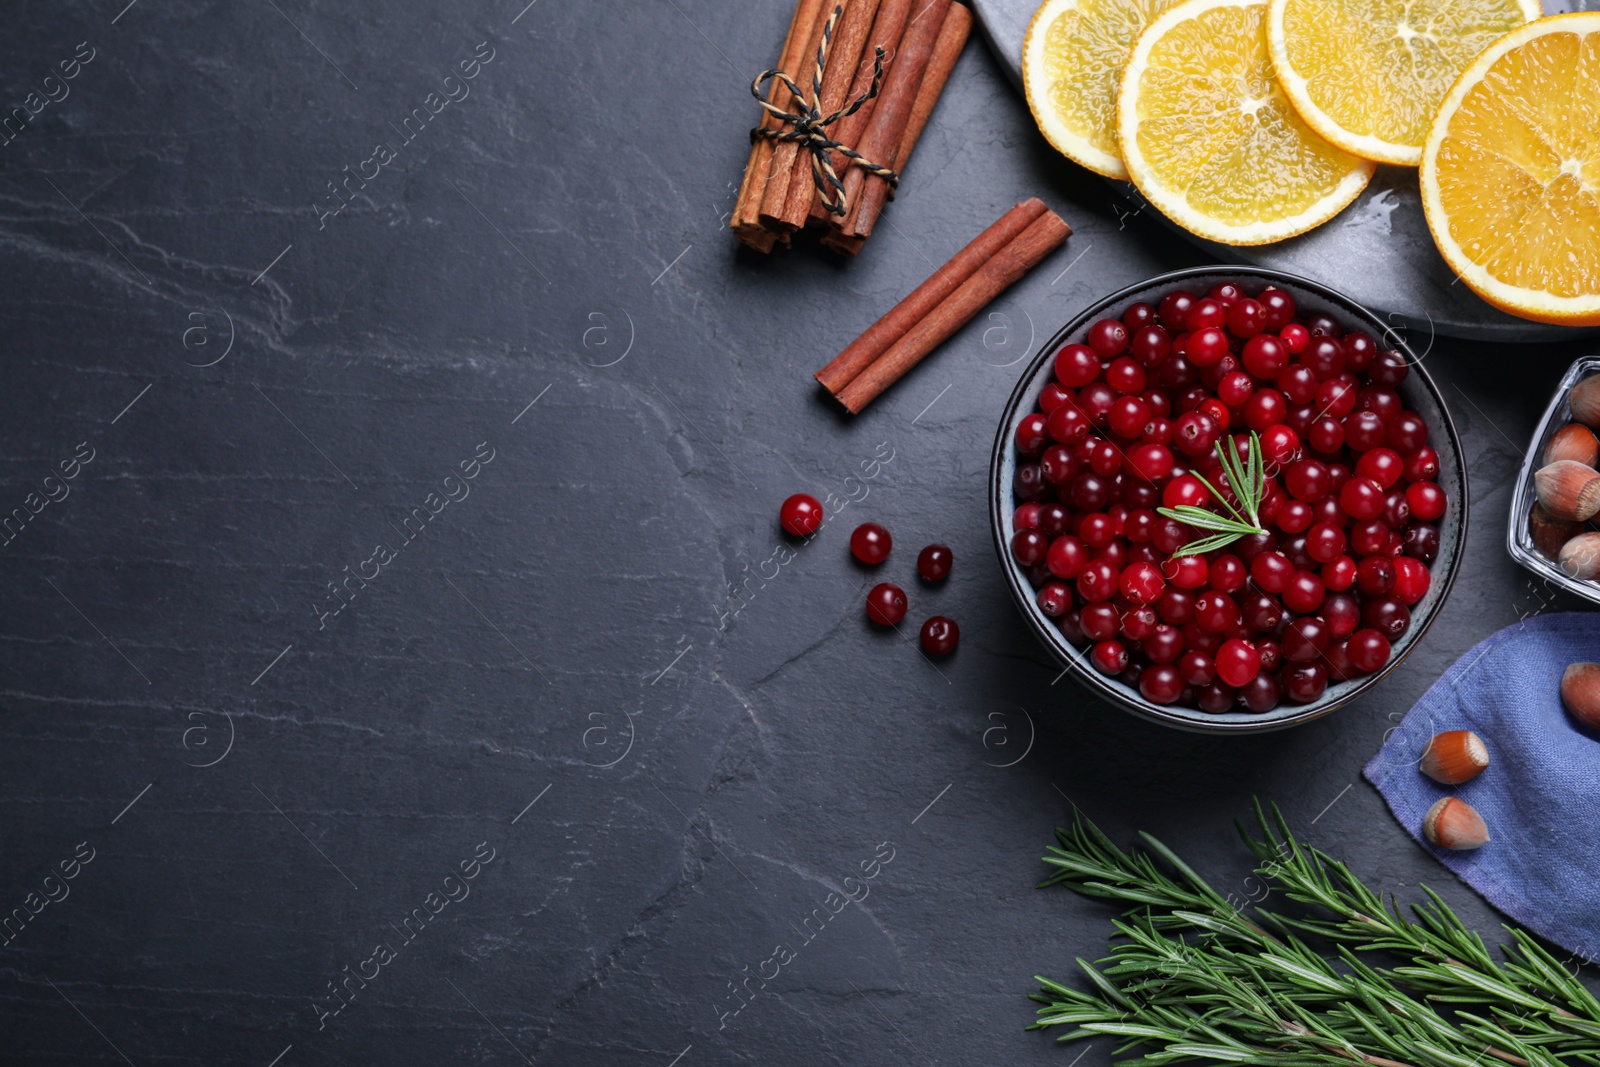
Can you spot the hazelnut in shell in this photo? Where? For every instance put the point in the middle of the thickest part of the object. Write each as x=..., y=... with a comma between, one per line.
x=1550, y=533
x=1584, y=400
x=1454, y=756
x=1568, y=489
x=1580, y=692
x=1580, y=557
x=1573, y=441
x=1453, y=823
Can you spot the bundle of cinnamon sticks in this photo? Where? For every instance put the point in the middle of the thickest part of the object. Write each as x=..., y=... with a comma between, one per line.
x=921, y=40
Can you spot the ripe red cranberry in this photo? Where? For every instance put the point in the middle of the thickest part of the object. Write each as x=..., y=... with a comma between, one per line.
x=1246, y=318
x=1141, y=583
x=1388, y=368
x=1099, y=621
x=1368, y=538
x=1260, y=694
x=1264, y=356
x=1294, y=517
x=1138, y=315
x=1364, y=430
x=1336, y=397
x=1052, y=396
x=1295, y=549
x=1426, y=499
x=1206, y=314
x=1196, y=668
x=1215, y=611
x=1340, y=669
x=1308, y=480
x=886, y=604
x=1130, y=676
x=1339, y=574
x=1069, y=627
x=1368, y=650
x=1150, y=461
x=1422, y=465
x=1026, y=517
x=1096, y=399
x=1295, y=337
x=1250, y=546
x=1186, y=572
x=1109, y=657
x=1396, y=509
x=1342, y=614
x=1422, y=542
x=1411, y=580
x=935, y=561
x=1194, y=433
x=1054, y=521
x=1218, y=412
x=1279, y=445
x=1375, y=575
x=1097, y=580
x=1326, y=435
x=1359, y=348
x=1304, y=593
x=870, y=543
x=1260, y=613
x=1054, y=599
x=1164, y=645
x=1322, y=325
x=1176, y=606
x=801, y=515
x=1235, y=388
x=1304, y=683
x=1278, y=306
x=1382, y=465
x=1361, y=498
x=1116, y=554
x=1028, y=547
x=1206, y=347
x=1139, y=623
x=1089, y=492
x=1068, y=424
x=1150, y=346
x=1305, y=640
x=1215, y=698
x=1228, y=573
x=1264, y=410
x=1126, y=376
x=1324, y=356
x=1027, y=483
x=1058, y=464
x=1174, y=309
x=1237, y=662
x=1271, y=571
x=1407, y=433
x=1161, y=684
x=1297, y=383
x=1325, y=542
x=1076, y=366
x=1108, y=338
x=1387, y=615
x=1185, y=489
x=1225, y=293
x=940, y=635
x=1065, y=557
x=1031, y=435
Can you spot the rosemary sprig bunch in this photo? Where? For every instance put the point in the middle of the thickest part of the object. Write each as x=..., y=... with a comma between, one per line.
x=1247, y=478
x=1194, y=978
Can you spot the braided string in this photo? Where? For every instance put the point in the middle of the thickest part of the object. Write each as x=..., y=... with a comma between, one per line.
x=808, y=123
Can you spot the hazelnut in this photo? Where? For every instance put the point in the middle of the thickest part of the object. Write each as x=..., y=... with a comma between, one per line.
x=1573, y=441
x=1453, y=823
x=1550, y=533
x=1580, y=692
x=1580, y=557
x=1584, y=400
x=1568, y=489
x=1454, y=756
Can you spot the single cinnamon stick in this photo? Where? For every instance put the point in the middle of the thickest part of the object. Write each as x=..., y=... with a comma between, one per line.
x=953, y=33
x=953, y=36
x=924, y=298
x=1044, y=235
x=880, y=141
x=785, y=153
x=746, y=218
x=887, y=30
x=844, y=56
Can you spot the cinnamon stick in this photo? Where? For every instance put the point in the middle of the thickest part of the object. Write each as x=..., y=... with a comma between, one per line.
x=786, y=153
x=996, y=274
x=844, y=52
x=930, y=294
x=887, y=30
x=953, y=33
x=880, y=142
x=746, y=220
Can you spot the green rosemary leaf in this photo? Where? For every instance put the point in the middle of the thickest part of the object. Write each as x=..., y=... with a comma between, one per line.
x=1205, y=520
x=1206, y=544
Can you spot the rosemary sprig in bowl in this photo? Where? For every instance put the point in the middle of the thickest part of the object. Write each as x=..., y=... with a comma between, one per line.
x=1193, y=977
x=1247, y=478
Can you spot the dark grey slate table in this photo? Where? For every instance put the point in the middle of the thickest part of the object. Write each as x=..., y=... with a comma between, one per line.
x=580, y=675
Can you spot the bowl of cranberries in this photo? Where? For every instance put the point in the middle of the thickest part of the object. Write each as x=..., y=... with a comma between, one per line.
x=1228, y=499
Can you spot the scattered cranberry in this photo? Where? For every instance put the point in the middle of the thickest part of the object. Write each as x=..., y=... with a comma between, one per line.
x=801, y=515
x=870, y=543
x=935, y=561
x=939, y=635
x=886, y=604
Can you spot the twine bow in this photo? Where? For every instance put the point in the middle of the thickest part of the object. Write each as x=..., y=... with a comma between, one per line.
x=808, y=123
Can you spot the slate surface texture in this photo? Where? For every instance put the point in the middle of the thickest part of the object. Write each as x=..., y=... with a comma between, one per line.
x=585, y=675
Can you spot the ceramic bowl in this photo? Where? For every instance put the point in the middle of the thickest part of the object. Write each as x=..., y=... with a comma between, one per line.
x=1420, y=394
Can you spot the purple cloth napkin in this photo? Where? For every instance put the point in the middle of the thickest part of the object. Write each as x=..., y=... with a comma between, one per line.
x=1541, y=793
